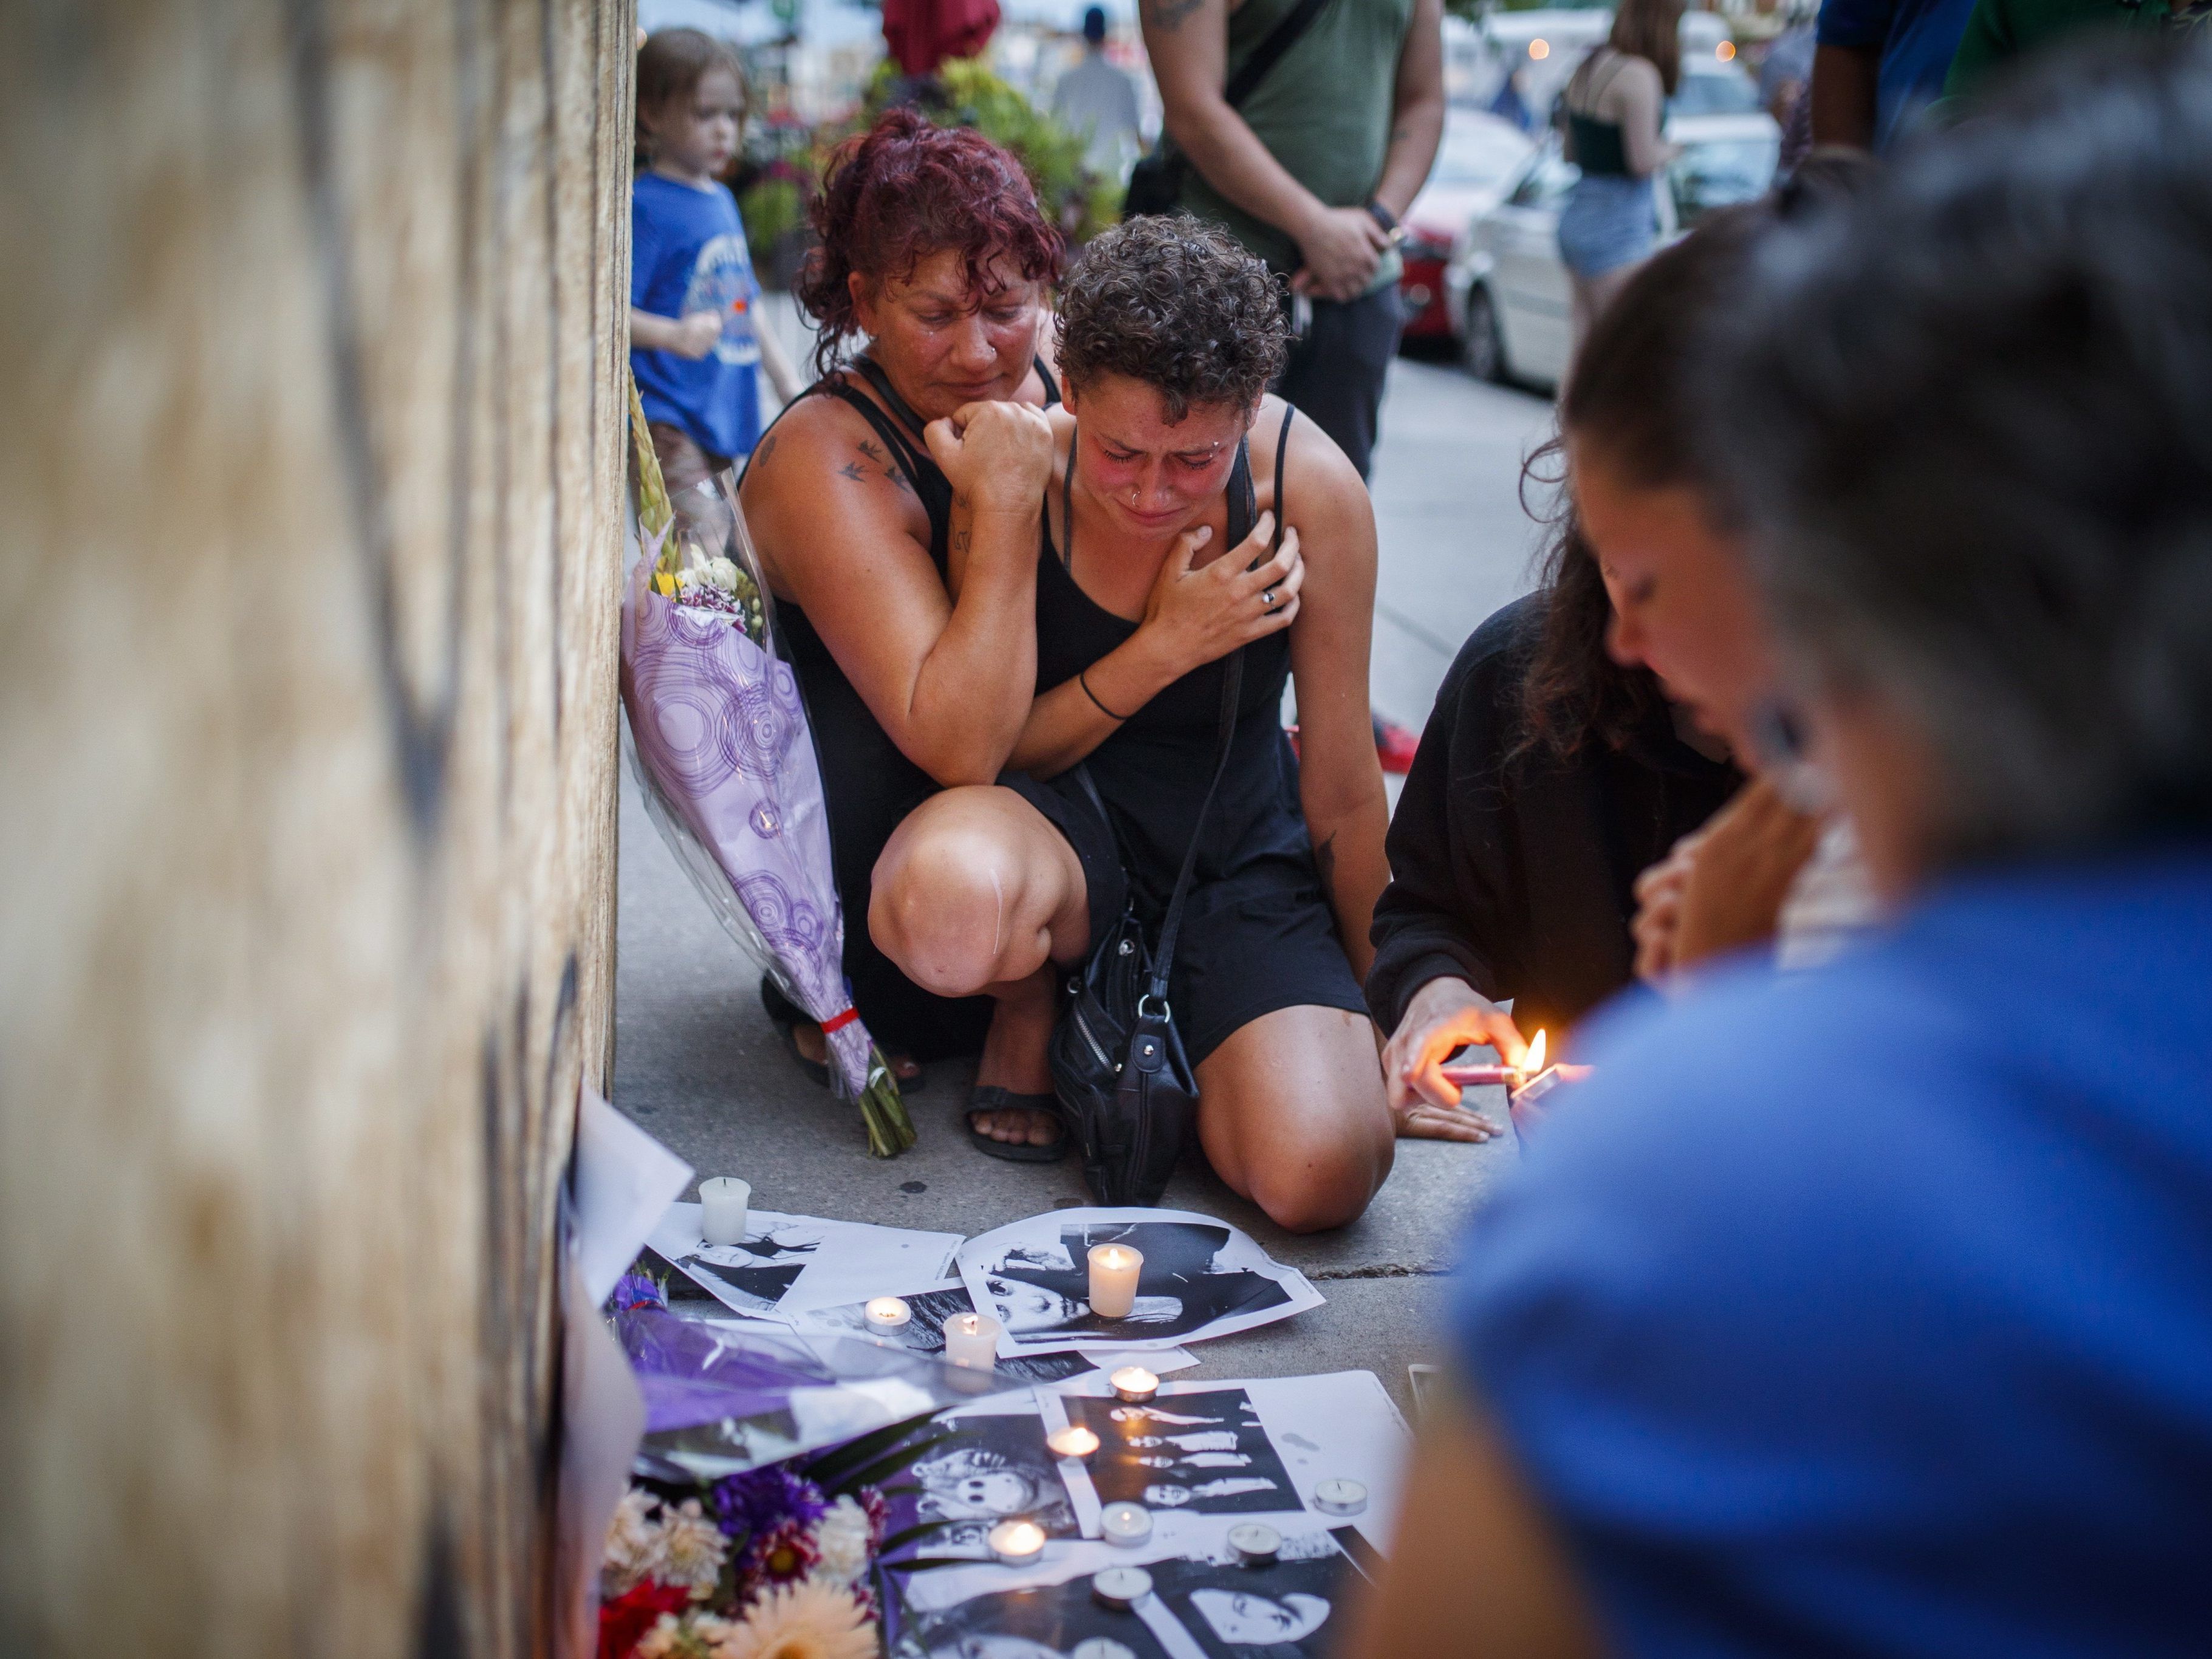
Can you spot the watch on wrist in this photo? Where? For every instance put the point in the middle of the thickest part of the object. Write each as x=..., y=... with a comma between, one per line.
x=1382, y=216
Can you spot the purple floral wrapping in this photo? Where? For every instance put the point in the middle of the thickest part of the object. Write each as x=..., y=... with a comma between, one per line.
x=722, y=739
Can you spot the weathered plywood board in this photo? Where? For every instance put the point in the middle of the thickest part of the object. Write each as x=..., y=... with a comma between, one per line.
x=310, y=484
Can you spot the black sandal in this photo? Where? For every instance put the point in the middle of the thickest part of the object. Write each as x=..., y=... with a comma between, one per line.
x=989, y=1097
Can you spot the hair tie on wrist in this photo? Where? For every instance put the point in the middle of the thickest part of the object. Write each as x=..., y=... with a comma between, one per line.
x=1093, y=695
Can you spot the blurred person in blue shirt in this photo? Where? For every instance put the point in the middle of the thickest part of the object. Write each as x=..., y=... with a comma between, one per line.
x=1869, y=1309
x=1878, y=65
x=697, y=347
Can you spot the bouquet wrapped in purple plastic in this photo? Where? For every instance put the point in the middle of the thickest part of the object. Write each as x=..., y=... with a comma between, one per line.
x=726, y=764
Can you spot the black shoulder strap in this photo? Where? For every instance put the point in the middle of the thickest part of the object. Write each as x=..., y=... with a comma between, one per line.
x=1232, y=692
x=1269, y=52
x=1051, y=386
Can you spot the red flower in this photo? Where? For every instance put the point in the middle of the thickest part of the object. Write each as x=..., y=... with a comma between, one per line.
x=878, y=1508
x=782, y=1553
x=624, y=1620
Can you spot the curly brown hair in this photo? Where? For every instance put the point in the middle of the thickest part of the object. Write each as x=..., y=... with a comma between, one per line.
x=904, y=191
x=1179, y=305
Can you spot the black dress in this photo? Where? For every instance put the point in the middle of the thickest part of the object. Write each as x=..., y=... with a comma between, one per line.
x=868, y=784
x=1517, y=874
x=1258, y=933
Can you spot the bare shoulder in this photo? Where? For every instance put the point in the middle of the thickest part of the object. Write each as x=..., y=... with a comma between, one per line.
x=824, y=461
x=1319, y=480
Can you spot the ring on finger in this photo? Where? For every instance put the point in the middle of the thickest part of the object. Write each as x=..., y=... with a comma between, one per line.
x=1267, y=601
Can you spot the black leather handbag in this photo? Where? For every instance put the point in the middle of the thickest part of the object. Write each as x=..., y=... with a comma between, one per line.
x=1117, y=1062
x=1156, y=182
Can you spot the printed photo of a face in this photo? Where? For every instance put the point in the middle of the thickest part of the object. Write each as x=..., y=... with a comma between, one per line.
x=1054, y=1621
x=764, y=1265
x=1205, y=1452
x=994, y=1468
x=1280, y=1612
x=1042, y=1292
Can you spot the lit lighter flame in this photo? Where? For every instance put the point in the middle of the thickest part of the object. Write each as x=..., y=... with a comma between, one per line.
x=1534, y=1062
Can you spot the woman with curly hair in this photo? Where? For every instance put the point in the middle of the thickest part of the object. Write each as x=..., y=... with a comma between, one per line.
x=895, y=508
x=1169, y=469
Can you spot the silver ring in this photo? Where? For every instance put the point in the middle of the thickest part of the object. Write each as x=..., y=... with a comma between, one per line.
x=1267, y=600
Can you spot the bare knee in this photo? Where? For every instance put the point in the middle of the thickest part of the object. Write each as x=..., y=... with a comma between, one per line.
x=943, y=902
x=1310, y=1183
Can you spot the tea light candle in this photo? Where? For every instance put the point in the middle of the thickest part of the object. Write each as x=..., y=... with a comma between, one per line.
x=1256, y=1543
x=722, y=1204
x=1135, y=1383
x=887, y=1313
x=1017, y=1543
x=1114, y=1269
x=1075, y=1442
x=972, y=1338
x=1126, y=1524
x=1340, y=1496
x=1120, y=1588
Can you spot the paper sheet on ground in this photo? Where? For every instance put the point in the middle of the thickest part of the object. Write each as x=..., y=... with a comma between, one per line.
x=1205, y=1455
x=932, y=1303
x=790, y=1263
x=624, y=1182
x=1201, y=1278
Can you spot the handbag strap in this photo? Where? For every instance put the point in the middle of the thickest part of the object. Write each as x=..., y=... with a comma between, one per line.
x=1232, y=690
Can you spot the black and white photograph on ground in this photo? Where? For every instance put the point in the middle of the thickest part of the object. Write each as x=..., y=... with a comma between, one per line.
x=927, y=1309
x=1201, y=1278
x=1290, y=1610
x=991, y=1466
x=790, y=1264
x=1042, y=1622
x=1338, y=1430
x=1204, y=1452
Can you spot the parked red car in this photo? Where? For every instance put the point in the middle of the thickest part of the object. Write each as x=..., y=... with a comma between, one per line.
x=1480, y=155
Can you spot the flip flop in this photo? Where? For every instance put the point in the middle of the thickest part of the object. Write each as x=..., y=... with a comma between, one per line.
x=989, y=1097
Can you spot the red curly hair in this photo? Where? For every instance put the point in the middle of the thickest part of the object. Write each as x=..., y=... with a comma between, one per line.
x=904, y=191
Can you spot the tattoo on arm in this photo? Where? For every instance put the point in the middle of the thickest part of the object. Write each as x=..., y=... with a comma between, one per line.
x=960, y=540
x=871, y=452
x=852, y=470
x=898, y=479
x=766, y=449
x=1168, y=15
x=1399, y=133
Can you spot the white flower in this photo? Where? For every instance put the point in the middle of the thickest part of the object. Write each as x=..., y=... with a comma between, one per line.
x=691, y=1548
x=723, y=572
x=841, y=1536
x=684, y=1638
x=634, y=1545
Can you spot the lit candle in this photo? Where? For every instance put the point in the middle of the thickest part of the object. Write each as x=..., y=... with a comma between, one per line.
x=1075, y=1442
x=1126, y=1524
x=1016, y=1542
x=1114, y=1269
x=972, y=1338
x=1120, y=1588
x=1135, y=1383
x=887, y=1313
x=722, y=1203
x=1256, y=1543
x=1341, y=1498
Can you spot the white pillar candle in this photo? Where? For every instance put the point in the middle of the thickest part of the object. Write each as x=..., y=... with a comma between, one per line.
x=1120, y=1588
x=1016, y=1542
x=1126, y=1524
x=886, y=1314
x=722, y=1203
x=972, y=1338
x=1256, y=1543
x=1135, y=1383
x=1114, y=1269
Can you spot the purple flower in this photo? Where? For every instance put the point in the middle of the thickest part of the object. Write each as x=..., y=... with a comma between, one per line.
x=761, y=1500
x=636, y=1289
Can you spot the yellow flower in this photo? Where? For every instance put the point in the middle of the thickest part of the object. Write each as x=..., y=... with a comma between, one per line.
x=810, y=1620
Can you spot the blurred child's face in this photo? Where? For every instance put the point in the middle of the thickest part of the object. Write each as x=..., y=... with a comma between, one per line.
x=945, y=341
x=697, y=135
x=1683, y=602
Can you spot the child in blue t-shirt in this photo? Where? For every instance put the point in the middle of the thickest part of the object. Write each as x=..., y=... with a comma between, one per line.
x=695, y=347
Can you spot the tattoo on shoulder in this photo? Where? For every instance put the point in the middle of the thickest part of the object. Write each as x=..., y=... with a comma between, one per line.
x=767, y=448
x=1169, y=14
x=852, y=470
x=871, y=452
x=898, y=479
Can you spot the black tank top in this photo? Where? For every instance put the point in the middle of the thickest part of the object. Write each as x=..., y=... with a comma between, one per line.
x=1153, y=771
x=868, y=784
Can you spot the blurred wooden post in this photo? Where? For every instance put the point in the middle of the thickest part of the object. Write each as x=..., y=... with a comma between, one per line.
x=311, y=461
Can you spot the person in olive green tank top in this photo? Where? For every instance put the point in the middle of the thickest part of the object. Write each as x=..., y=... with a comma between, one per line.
x=1311, y=171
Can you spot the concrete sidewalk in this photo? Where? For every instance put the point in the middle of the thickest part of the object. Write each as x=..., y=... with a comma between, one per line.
x=698, y=1065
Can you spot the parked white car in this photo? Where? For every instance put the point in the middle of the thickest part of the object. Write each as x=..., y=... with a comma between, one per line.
x=1508, y=287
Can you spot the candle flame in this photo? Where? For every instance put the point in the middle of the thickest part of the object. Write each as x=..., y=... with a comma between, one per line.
x=1133, y=1377
x=1534, y=1063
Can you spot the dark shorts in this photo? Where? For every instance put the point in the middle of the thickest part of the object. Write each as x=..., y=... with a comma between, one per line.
x=1253, y=942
